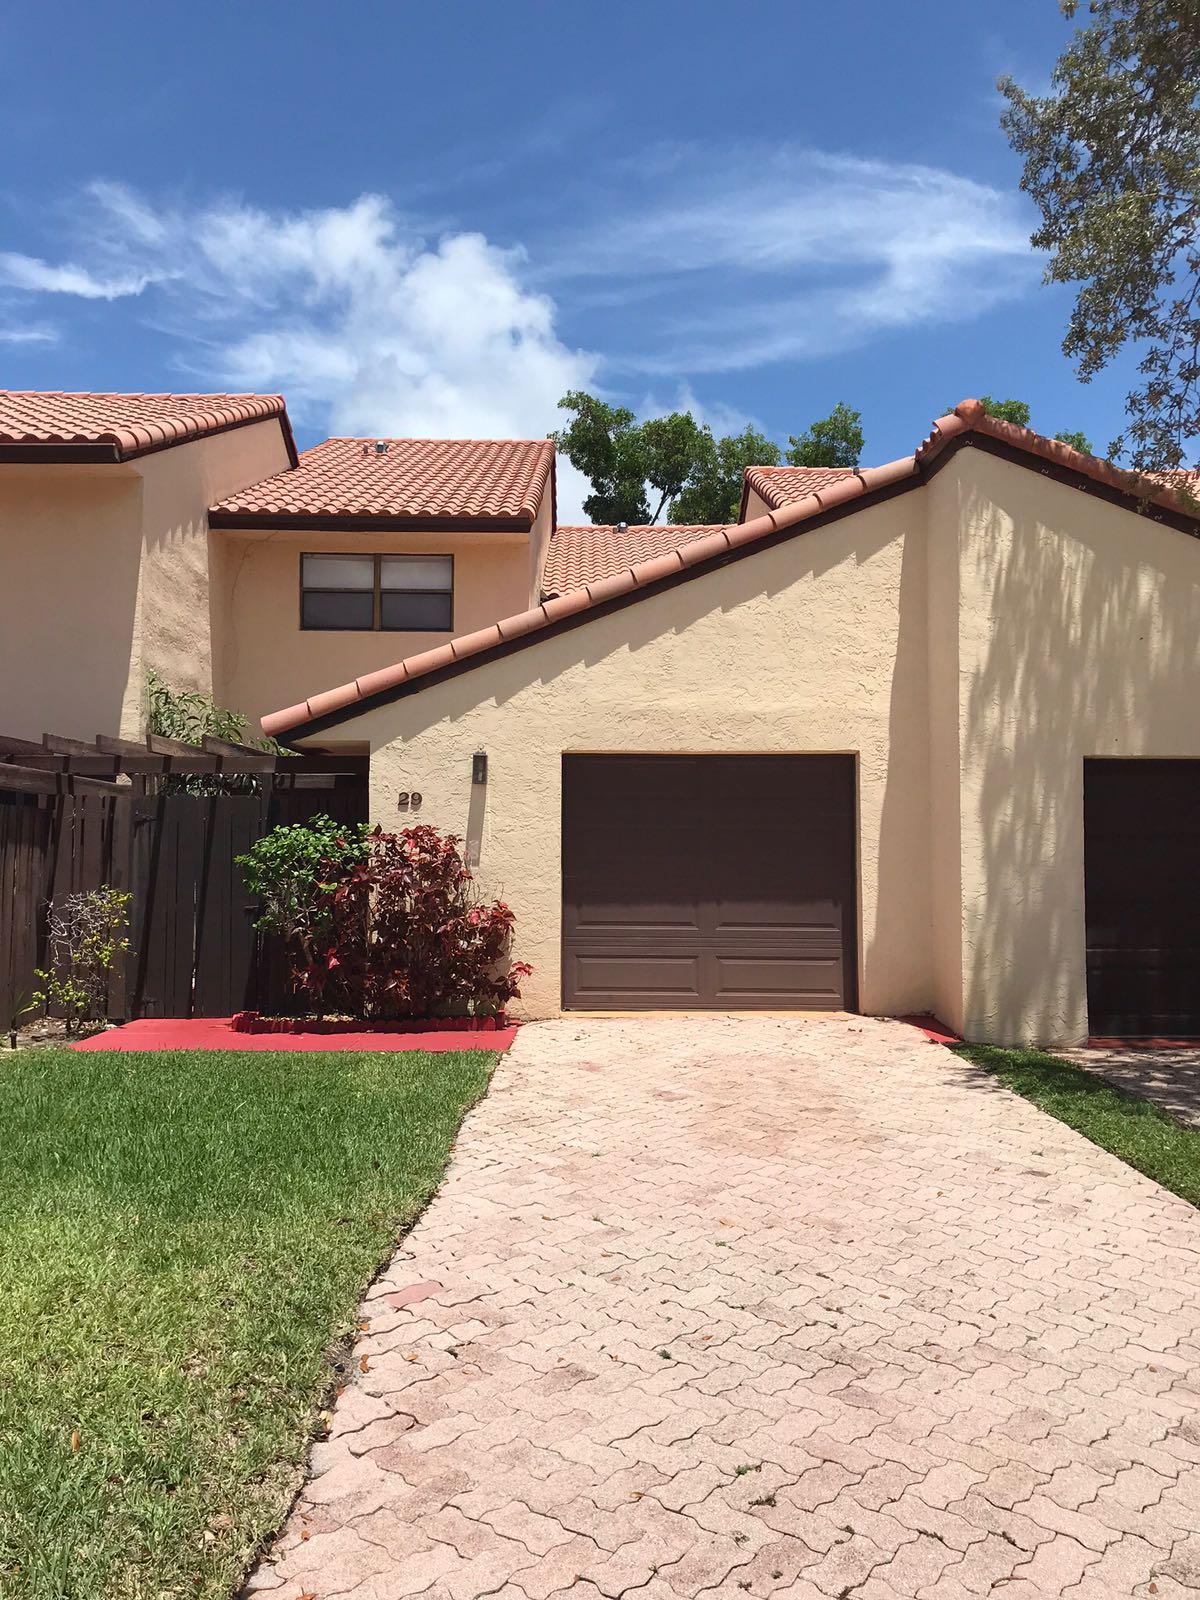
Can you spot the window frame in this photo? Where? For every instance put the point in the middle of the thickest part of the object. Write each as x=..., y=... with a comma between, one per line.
x=376, y=591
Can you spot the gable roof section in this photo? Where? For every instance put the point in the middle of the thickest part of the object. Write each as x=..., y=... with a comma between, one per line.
x=968, y=423
x=582, y=555
x=782, y=486
x=60, y=427
x=411, y=483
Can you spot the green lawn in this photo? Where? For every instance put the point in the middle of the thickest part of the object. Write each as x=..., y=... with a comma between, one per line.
x=183, y=1239
x=1117, y=1121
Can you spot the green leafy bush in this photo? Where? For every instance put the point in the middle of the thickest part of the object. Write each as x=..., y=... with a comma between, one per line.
x=293, y=870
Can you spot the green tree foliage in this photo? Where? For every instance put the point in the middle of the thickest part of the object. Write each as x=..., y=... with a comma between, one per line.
x=1014, y=411
x=623, y=457
x=714, y=492
x=834, y=441
x=1018, y=413
x=1112, y=159
x=1077, y=440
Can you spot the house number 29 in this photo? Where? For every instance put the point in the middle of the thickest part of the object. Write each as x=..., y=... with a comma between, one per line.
x=408, y=800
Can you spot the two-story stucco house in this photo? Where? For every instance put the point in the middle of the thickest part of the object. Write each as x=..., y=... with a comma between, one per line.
x=923, y=737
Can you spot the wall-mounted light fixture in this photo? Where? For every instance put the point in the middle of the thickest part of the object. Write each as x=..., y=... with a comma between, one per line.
x=479, y=773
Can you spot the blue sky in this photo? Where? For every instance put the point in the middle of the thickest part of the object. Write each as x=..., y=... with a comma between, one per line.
x=420, y=219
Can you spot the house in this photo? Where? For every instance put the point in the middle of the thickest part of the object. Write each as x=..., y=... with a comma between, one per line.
x=922, y=737
x=184, y=534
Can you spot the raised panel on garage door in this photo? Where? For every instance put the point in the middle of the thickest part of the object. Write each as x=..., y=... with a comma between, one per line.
x=708, y=881
x=1142, y=893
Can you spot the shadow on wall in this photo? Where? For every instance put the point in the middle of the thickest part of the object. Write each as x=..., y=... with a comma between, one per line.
x=1079, y=636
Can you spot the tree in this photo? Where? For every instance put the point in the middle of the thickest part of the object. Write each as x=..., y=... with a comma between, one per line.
x=1014, y=411
x=714, y=493
x=1018, y=412
x=834, y=441
x=605, y=443
x=1077, y=441
x=1112, y=159
x=677, y=459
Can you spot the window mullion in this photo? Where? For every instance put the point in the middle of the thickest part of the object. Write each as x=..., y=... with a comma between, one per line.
x=377, y=613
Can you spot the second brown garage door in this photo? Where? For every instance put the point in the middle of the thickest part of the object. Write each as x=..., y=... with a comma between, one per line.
x=718, y=882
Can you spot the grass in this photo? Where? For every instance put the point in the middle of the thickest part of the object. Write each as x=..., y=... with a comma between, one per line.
x=183, y=1240
x=1123, y=1124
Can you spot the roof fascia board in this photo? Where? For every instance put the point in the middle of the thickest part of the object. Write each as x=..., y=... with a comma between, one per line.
x=282, y=521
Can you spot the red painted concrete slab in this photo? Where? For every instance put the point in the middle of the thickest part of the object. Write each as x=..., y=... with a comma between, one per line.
x=215, y=1033
x=936, y=1032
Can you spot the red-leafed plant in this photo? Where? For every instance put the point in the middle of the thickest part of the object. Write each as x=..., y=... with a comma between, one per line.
x=405, y=933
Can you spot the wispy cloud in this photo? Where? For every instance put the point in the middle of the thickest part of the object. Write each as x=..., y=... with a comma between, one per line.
x=41, y=277
x=697, y=259
x=29, y=333
x=758, y=255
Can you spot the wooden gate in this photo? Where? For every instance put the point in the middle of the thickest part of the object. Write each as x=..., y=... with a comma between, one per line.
x=193, y=938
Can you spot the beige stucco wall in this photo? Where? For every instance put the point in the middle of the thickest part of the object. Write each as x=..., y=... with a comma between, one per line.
x=70, y=553
x=104, y=573
x=177, y=609
x=266, y=661
x=1078, y=635
x=818, y=645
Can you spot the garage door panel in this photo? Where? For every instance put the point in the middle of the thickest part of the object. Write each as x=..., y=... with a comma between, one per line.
x=742, y=866
x=606, y=980
x=764, y=980
x=1142, y=896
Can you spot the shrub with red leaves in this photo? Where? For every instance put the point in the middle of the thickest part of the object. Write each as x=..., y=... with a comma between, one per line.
x=409, y=936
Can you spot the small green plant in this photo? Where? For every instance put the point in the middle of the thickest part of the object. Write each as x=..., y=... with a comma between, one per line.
x=21, y=1004
x=189, y=715
x=85, y=934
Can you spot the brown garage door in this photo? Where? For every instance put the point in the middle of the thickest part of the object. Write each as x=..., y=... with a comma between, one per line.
x=1142, y=884
x=708, y=881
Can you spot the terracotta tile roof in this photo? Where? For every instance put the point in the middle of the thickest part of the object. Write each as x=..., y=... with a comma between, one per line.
x=580, y=555
x=968, y=419
x=119, y=427
x=780, y=486
x=413, y=481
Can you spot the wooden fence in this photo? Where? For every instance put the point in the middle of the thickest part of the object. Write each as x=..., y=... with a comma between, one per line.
x=194, y=950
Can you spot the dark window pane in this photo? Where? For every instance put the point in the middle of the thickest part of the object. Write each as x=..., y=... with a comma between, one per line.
x=323, y=608
x=417, y=613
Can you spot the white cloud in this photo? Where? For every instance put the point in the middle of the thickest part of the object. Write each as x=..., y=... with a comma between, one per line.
x=29, y=333
x=361, y=323
x=766, y=255
x=696, y=259
x=27, y=272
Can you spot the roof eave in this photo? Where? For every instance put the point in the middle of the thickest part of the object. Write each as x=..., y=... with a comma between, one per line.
x=319, y=522
x=55, y=452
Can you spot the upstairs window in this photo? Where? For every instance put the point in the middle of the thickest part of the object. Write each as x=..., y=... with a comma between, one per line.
x=395, y=594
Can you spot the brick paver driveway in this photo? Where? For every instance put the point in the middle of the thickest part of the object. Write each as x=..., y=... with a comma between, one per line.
x=799, y=1308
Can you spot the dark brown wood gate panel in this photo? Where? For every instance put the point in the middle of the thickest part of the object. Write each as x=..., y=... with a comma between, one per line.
x=193, y=936
x=1142, y=888
x=709, y=882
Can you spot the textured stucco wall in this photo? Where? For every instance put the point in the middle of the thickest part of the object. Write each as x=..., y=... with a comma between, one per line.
x=1079, y=635
x=176, y=621
x=266, y=661
x=104, y=573
x=70, y=550
x=818, y=645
